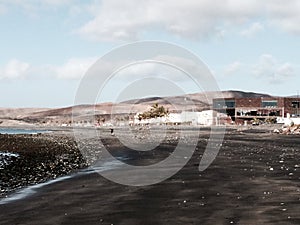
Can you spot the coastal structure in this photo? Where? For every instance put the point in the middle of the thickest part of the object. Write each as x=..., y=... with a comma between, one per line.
x=242, y=110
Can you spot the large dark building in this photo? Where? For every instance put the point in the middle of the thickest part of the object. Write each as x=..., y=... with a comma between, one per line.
x=241, y=109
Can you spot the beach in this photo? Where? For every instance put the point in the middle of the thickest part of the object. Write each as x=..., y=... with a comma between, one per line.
x=253, y=180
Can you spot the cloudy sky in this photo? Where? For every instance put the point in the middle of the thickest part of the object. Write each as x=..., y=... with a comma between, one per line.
x=47, y=46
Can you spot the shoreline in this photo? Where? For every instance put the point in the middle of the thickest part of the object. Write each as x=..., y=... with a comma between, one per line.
x=28, y=191
x=41, y=157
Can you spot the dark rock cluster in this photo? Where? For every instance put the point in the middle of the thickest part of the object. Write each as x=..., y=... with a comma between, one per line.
x=40, y=158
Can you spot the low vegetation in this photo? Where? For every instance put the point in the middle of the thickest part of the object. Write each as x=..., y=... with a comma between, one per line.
x=154, y=112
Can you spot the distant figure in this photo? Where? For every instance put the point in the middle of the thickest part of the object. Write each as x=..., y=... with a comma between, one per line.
x=112, y=131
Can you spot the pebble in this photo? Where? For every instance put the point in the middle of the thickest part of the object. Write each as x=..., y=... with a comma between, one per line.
x=46, y=158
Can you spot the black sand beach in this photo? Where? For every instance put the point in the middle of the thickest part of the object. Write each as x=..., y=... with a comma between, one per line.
x=253, y=180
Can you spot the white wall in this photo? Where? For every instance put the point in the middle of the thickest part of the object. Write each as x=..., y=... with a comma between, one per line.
x=202, y=118
x=288, y=121
x=206, y=117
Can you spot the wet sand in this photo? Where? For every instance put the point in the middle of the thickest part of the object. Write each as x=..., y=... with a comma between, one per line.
x=253, y=180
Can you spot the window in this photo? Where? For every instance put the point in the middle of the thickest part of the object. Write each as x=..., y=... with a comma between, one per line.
x=221, y=104
x=295, y=104
x=269, y=103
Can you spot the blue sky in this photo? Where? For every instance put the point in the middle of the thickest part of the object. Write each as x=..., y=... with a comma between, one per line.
x=47, y=46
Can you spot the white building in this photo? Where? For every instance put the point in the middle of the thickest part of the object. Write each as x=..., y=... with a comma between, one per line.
x=194, y=118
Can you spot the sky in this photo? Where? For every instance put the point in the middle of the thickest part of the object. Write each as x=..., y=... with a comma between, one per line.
x=46, y=47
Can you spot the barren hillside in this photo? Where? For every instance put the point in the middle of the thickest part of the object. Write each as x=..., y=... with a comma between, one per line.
x=196, y=102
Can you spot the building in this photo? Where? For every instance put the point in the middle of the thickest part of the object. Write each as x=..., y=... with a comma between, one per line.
x=246, y=109
x=205, y=118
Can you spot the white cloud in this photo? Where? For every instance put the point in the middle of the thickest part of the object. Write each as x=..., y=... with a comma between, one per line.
x=265, y=66
x=128, y=20
x=252, y=30
x=272, y=69
x=285, y=15
x=285, y=70
x=74, y=68
x=14, y=69
x=123, y=20
x=233, y=68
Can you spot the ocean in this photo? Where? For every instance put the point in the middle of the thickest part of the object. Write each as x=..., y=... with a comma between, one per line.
x=20, y=131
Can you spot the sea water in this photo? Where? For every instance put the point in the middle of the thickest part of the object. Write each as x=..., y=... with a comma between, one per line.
x=20, y=131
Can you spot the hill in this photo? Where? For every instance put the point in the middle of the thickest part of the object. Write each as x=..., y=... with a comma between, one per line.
x=107, y=111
